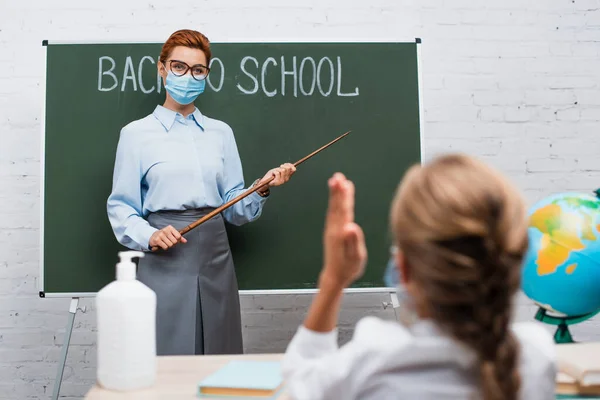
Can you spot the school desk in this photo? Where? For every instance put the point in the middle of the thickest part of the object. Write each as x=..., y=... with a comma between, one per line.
x=178, y=376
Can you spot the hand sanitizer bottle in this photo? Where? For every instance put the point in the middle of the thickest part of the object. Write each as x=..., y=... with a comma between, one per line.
x=126, y=314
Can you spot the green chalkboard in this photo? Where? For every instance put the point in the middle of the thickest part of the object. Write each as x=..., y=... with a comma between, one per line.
x=283, y=100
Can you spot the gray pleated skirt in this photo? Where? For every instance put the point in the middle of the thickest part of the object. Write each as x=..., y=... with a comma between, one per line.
x=198, y=305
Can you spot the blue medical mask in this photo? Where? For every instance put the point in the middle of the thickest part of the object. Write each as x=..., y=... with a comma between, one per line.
x=391, y=277
x=184, y=89
x=406, y=310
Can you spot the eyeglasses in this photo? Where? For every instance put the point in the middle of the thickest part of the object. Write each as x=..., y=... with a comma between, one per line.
x=179, y=68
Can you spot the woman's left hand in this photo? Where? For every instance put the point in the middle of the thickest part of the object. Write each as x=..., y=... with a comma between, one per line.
x=282, y=174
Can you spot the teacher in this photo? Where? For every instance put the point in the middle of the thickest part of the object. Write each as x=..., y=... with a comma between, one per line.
x=171, y=168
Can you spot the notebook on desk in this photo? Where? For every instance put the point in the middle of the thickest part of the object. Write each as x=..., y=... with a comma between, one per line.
x=244, y=380
x=578, y=368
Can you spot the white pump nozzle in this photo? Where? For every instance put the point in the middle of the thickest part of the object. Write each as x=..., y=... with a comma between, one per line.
x=126, y=267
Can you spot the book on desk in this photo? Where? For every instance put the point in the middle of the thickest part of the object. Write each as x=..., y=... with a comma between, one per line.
x=578, y=367
x=244, y=379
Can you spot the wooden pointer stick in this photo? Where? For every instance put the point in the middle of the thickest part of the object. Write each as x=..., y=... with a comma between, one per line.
x=224, y=206
x=248, y=192
x=320, y=149
x=254, y=189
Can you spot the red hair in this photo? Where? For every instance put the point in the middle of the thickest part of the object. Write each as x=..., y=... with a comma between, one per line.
x=186, y=38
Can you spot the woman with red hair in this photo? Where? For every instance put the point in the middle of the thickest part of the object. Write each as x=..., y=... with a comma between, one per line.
x=171, y=168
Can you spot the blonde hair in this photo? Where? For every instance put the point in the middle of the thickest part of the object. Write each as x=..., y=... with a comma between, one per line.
x=462, y=228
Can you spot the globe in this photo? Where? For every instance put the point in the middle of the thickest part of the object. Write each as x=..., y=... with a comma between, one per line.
x=561, y=270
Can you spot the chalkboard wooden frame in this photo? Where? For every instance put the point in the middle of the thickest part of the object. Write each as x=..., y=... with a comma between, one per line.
x=43, y=85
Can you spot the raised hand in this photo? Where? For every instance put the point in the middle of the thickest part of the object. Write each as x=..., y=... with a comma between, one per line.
x=345, y=251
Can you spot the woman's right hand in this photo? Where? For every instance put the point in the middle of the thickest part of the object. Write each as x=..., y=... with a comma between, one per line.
x=166, y=238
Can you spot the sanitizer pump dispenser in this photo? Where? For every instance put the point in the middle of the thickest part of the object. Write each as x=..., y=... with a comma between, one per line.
x=126, y=313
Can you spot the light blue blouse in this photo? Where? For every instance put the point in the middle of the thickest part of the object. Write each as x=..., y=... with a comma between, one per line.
x=166, y=161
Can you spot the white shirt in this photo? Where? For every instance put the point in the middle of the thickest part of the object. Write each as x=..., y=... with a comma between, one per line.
x=385, y=360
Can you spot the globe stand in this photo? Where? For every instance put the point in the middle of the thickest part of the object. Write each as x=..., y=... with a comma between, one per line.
x=562, y=334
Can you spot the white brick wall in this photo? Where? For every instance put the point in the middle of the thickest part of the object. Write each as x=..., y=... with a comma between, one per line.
x=515, y=81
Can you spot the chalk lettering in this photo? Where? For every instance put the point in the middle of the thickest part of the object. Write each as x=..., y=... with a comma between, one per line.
x=212, y=69
x=243, y=68
x=314, y=76
x=293, y=73
x=110, y=73
x=309, y=76
x=319, y=85
x=128, y=74
x=263, y=77
x=140, y=75
x=339, y=81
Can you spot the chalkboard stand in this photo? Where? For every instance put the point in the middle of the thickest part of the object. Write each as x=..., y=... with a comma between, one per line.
x=63, y=356
x=394, y=303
